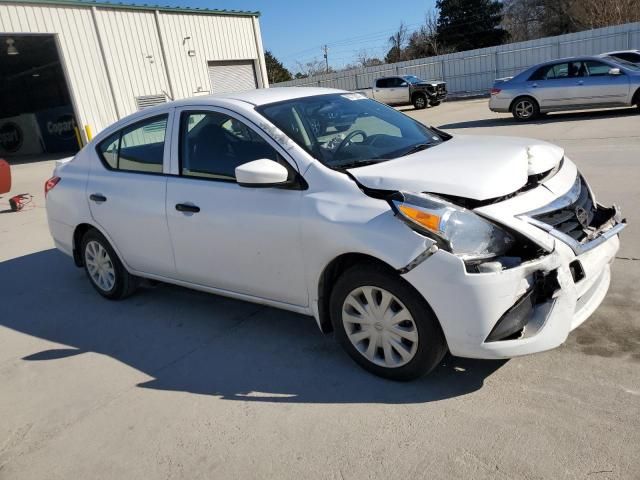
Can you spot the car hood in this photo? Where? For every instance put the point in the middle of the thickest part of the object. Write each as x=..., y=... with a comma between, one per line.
x=433, y=83
x=469, y=166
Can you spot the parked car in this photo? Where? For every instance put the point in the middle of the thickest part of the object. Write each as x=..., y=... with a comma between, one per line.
x=569, y=84
x=407, y=90
x=632, y=56
x=404, y=240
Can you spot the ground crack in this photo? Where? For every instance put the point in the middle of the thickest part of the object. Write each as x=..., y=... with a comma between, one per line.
x=633, y=259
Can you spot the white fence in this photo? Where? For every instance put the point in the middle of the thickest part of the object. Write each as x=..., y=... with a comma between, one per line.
x=473, y=72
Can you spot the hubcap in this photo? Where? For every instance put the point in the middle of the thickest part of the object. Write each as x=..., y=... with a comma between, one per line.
x=420, y=102
x=99, y=266
x=524, y=109
x=380, y=327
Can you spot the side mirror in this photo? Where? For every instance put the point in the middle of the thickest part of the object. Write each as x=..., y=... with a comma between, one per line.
x=404, y=84
x=261, y=173
x=614, y=71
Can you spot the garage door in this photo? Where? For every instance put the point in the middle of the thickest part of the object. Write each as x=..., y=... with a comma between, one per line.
x=232, y=76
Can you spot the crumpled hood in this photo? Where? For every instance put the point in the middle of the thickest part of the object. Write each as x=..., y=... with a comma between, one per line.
x=469, y=166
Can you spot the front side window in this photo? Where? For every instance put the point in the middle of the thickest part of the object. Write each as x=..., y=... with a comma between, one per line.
x=383, y=83
x=597, y=69
x=348, y=130
x=137, y=148
x=213, y=144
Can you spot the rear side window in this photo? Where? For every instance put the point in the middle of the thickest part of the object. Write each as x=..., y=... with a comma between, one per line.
x=137, y=148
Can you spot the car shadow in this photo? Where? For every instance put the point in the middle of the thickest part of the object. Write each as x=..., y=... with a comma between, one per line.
x=205, y=344
x=550, y=118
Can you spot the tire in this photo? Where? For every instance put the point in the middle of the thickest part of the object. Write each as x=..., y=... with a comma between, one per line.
x=420, y=355
x=420, y=101
x=524, y=109
x=104, y=269
x=435, y=103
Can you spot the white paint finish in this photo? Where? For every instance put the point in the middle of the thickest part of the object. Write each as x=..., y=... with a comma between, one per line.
x=271, y=245
x=465, y=166
x=261, y=172
x=128, y=37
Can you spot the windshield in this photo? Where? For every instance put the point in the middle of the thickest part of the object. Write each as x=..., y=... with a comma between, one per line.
x=349, y=130
x=412, y=79
x=625, y=63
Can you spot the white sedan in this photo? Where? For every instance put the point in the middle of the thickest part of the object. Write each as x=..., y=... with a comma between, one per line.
x=402, y=239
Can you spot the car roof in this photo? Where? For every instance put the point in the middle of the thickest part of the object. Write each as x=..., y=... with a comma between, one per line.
x=261, y=96
x=618, y=51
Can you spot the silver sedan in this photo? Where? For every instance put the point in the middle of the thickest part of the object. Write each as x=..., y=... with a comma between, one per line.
x=569, y=84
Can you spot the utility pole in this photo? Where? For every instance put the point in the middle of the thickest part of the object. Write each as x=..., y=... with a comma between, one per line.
x=325, y=51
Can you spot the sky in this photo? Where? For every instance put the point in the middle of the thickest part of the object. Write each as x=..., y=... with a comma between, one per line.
x=294, y=31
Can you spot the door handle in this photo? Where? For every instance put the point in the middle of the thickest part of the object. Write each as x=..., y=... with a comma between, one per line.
x=97, y=197
x=184, y=207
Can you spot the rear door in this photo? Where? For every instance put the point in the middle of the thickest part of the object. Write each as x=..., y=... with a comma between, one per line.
x=126, y=194
x=554, y=86
x=384, y=90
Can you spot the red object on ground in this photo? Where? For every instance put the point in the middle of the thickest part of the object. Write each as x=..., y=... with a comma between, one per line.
x=5, y=176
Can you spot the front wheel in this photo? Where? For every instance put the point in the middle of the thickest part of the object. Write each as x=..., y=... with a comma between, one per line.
x=104, y=269
x=525, y=108
x=385, y=325
x=420, y=101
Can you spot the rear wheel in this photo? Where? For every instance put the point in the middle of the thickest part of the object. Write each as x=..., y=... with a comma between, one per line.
x=525, y=108
x=384, y=324
x=104, y=269
x=420, y=101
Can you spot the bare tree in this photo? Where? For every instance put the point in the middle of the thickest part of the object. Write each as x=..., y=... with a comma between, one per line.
x=366, y=60
x=397, y=41
x=312, y=67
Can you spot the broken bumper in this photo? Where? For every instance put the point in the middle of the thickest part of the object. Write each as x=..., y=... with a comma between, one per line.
x=469, y=306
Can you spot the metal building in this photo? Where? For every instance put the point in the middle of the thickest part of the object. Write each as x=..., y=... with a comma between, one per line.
x=84, y=64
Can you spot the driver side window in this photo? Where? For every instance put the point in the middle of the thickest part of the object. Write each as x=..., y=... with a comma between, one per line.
x=213, y=144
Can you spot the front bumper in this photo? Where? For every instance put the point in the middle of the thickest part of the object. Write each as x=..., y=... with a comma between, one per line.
x=469, y=305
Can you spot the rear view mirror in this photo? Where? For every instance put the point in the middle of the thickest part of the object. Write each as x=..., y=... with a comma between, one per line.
x=261, y=173
x=614, y=71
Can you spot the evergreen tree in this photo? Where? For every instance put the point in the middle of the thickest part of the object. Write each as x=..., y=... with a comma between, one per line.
x=276, y=72
x=470, y=24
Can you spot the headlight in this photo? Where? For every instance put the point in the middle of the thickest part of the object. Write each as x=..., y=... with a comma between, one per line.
x=456, y=229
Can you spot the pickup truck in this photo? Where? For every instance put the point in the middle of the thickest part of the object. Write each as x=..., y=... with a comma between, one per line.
x=407, y=90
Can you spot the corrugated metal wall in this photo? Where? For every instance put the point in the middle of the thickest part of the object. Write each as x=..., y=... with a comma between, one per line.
x=233, y=40
x=473, y=72
x=80, y=52
x=131, y=41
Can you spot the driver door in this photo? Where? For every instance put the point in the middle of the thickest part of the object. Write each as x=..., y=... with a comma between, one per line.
x=237, y=239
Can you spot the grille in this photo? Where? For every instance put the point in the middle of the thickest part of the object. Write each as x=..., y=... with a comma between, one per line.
x=575, y=217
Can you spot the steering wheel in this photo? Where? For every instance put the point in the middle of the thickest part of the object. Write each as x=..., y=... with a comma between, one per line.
x=348, y=139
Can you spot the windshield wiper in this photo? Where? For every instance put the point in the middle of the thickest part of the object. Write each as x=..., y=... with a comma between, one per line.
x=357, y=163
x=417, y=148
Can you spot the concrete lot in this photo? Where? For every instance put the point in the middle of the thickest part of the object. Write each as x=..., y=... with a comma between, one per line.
x=173, y=383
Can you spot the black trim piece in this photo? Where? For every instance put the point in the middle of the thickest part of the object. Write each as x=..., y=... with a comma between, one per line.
x=185, y=207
